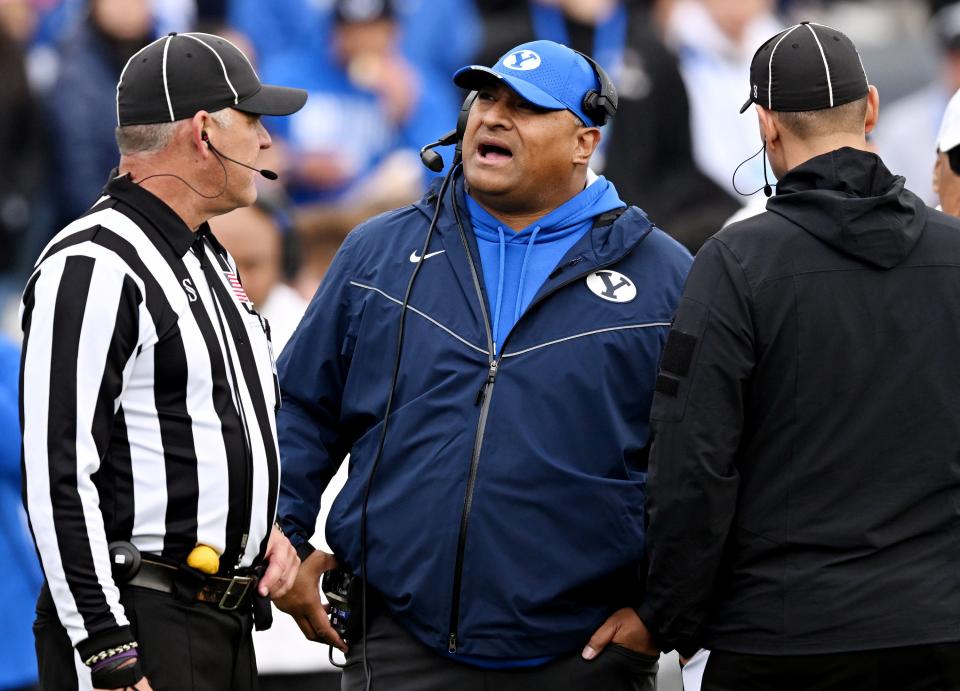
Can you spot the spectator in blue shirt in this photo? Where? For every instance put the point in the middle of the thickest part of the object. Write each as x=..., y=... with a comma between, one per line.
x=18, y=664
x=352, y=151
x=82, y=105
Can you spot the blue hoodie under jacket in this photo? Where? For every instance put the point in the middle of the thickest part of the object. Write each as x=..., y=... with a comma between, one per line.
x=506, y=516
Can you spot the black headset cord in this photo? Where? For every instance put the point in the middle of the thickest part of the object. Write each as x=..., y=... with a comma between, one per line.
x=386, y=418
x=767, y=186
x=223, y=187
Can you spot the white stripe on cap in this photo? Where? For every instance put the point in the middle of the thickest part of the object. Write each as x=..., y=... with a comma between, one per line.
x=166, y=88
x=856, y=50
x=825, y=65
x=236, y=98
x=221, y=38
x=770, y=66
x=124, y=70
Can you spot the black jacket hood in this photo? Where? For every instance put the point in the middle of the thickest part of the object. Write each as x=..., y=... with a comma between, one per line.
x=848, y=199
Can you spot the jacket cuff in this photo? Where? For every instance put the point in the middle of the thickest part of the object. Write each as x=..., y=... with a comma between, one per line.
x=645, y=612
x=685, y=648
x=104, y=640
x=302, y=546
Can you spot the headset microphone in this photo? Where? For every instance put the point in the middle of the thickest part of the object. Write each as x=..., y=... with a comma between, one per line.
x=431, y=159
x=268, y=174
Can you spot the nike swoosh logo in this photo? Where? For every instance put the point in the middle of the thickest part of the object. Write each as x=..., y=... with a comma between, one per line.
x=414, y=258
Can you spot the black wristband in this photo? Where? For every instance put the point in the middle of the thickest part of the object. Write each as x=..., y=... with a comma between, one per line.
x=117, y=678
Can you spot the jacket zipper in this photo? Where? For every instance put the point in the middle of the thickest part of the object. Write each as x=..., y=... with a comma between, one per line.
x=484, y=397
x=484, y=394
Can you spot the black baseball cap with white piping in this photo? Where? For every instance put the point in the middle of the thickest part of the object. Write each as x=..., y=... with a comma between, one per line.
x=180, y=74
x=806, y=67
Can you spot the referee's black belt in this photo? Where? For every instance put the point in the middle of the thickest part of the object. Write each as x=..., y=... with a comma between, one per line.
x=227, y=592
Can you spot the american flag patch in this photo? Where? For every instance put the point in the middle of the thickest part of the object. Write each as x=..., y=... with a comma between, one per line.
x=237, y=288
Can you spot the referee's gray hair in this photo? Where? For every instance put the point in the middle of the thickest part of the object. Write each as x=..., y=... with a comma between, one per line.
x=143, y=139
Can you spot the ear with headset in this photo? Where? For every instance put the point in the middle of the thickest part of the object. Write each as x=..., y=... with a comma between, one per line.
x=600, y=106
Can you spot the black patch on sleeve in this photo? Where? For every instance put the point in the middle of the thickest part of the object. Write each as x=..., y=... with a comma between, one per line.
x=666, y=385
x=678, y=353
x=678, y=363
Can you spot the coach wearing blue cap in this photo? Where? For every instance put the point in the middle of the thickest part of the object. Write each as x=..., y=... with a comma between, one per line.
x=505, y=518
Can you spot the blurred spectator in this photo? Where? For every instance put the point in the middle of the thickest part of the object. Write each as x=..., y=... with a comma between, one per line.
x=212, y=11
x=437, y=37
x=365, y=108
x=58, y=17
x=253, y=236
x=22, y=577
x=647, y=150
x=352, y=151
x=936, y=5
x=907, y=132
x=946, y=172
x=82, y=105
x=21, y=136
x=57, y=21
x=715, y=41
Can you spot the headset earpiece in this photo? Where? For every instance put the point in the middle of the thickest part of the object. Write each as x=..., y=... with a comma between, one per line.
x=465, y=114
x=462, y=124
x=601, y=105
x=204, y=137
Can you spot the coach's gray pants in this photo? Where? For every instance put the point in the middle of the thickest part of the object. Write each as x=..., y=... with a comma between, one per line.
x=400, y=663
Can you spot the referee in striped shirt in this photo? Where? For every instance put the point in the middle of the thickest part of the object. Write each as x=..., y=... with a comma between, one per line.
x=148, y=396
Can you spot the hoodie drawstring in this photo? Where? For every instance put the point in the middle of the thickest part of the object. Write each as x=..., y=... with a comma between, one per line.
x=523, y=274
x=496, y=311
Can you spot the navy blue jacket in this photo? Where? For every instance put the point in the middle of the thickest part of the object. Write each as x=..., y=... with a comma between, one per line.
x=506, y=518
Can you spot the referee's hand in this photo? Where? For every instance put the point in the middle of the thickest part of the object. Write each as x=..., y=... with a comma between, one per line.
x=303, y=602
x=282, y=566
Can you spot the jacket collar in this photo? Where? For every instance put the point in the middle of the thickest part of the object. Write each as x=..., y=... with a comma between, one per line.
x=168, y=224
x=603, y=245
x=849, y=200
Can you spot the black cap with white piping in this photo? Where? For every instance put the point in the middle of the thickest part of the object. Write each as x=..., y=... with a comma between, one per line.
x=180, y=74
x=806, y=67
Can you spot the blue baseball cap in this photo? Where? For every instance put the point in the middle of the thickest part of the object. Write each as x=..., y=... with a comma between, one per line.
x=546, y=74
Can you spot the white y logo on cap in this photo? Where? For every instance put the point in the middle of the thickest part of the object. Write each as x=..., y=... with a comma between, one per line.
x=522, y=60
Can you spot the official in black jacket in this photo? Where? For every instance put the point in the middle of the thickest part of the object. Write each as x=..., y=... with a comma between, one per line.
x=804, y=497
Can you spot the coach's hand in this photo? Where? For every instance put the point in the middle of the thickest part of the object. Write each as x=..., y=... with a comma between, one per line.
x=303, y=602
x=282, y=566
x=623, y=628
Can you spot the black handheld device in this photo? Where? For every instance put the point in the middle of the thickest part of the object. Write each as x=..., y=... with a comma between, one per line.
x=343, y=592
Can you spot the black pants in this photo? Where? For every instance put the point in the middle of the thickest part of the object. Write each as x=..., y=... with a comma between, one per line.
x=184, y=646
x=915, y=668
x=401, y=663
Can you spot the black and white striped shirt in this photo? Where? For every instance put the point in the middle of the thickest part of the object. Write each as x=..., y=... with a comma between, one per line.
x=148, y=395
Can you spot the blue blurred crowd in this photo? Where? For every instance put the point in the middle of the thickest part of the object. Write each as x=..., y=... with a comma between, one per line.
x=379, y=77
